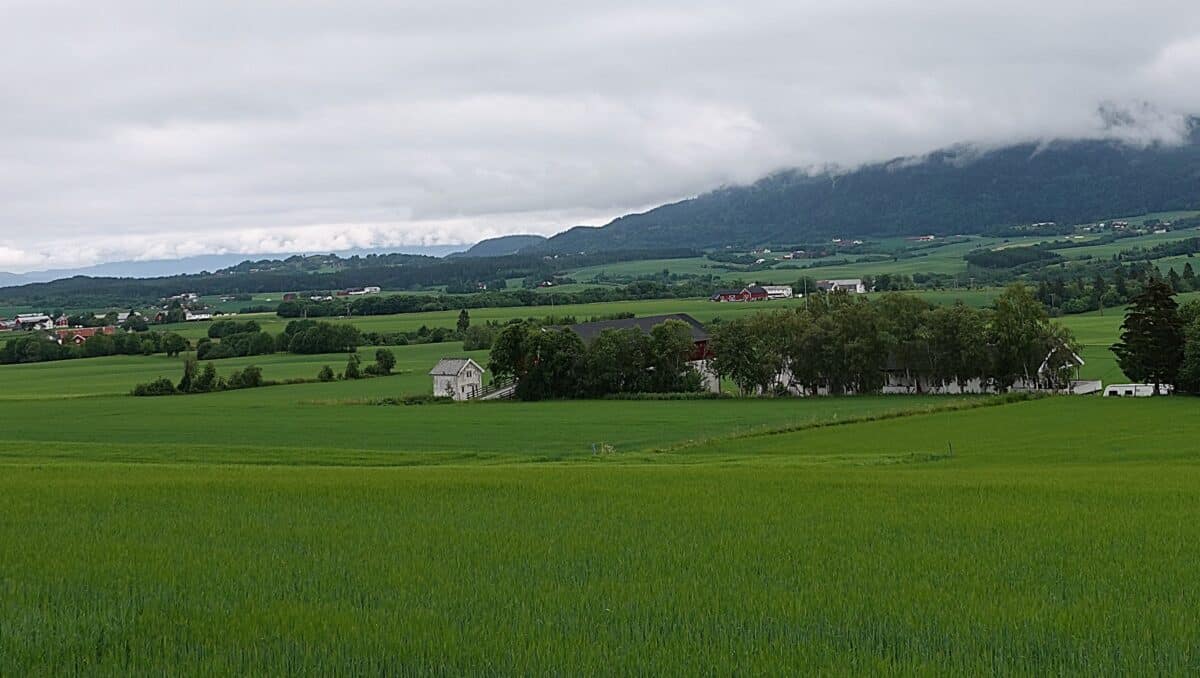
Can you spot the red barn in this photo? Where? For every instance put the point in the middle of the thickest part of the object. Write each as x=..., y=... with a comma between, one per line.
x=756, y=293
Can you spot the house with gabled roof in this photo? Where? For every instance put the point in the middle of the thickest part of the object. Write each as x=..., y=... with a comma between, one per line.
x=457, y=378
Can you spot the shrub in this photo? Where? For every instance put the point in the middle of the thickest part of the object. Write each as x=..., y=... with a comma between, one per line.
x=225, y=328
x=385, y=360
x=251, y=377
x=207, y=381
x=352, y=371
x=326, y=374
x=158, y=387
x=479, y=337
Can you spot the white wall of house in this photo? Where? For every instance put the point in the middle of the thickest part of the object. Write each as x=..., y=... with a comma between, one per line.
x=462, y=386
x=711, y=380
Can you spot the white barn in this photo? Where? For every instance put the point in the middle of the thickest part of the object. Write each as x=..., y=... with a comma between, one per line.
x=457, y=378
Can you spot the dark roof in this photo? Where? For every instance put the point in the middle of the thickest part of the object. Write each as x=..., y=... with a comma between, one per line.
x=725, y=293
x=589, y=331
x=450, y=367
x=756, y=289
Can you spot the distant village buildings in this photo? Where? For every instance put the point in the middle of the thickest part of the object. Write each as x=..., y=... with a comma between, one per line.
x=772, y=292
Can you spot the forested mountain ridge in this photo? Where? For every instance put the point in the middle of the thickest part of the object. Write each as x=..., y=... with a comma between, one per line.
x=501, y=246
x=952, y=191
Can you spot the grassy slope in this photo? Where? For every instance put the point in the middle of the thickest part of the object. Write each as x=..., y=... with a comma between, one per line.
x=1052, y=542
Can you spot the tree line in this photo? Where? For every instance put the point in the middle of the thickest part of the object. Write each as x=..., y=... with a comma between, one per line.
x=391, y=304
x=552, y=362
x=40, y=347
x=836, y=344
x=195, y=380
x=842, y=343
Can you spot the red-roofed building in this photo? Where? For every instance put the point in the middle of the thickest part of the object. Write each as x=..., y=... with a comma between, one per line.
x=79, y=335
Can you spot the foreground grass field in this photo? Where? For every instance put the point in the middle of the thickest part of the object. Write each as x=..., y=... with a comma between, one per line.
x=307, y=529
x=1055, y=540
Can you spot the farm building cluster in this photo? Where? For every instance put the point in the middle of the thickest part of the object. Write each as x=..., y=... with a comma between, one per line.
x=329, y=296
x=772, y=292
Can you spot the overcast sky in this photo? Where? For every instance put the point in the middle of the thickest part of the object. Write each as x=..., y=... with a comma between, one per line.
x=150, y=129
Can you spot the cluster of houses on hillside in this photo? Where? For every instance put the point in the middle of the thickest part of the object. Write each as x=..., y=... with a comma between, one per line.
x=33, y=322
x=770, y=292
x=55, y=329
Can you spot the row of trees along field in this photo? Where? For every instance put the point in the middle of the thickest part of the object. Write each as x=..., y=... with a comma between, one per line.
x=207, y=380
x=39, y=347
x=839, y=343
x=843, y=344
x=1160, y=340
x=1099, y=285
x=413, y=303
x=553, y=363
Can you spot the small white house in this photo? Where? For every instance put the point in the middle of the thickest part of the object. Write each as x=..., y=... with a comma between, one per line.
x=457, y=378
x=1136, y=390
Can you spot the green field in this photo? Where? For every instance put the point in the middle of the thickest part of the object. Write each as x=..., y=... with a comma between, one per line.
x=1052, y=540
x=306, y=529
x=1107, y=250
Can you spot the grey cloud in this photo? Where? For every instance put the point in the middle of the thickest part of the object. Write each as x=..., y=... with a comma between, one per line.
x=132, y=129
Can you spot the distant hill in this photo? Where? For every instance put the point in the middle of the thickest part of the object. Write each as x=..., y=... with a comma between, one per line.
x=186, y=265
x=502, y=246
x=952, y=191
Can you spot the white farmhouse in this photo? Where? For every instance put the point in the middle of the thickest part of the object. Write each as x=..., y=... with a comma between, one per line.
x=778, y=291
x=457, y=378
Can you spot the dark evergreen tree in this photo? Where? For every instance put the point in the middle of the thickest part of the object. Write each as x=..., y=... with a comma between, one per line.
x=1151, y=345
x=1174, y=280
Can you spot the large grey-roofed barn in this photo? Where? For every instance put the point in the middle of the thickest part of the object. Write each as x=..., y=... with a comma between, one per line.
x=589, y=331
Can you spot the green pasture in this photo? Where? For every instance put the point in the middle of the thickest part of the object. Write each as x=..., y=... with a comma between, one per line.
x=119, y=374
x=692, y=265
x=312, y=423
x=1054, y=540
x=1107, y=250
x=700, y=308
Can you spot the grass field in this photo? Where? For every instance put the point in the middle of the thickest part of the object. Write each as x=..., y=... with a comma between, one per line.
x=1107, y=250
x=702, y=309
x=1052, y=541
x=303, y=529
